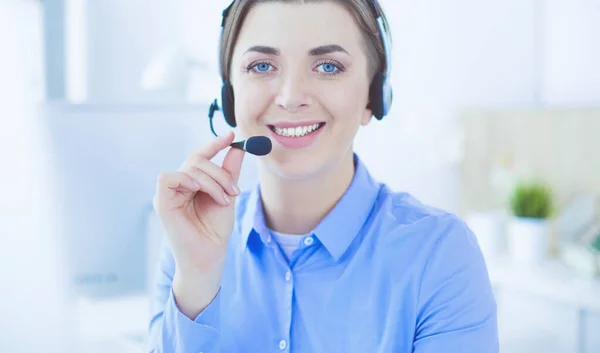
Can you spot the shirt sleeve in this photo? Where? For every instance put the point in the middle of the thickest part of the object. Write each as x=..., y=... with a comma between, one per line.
x=456, y=310
x=170, y=331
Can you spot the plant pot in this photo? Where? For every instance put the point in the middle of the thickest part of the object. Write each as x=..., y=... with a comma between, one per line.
x=528, y=240
x=489, y=228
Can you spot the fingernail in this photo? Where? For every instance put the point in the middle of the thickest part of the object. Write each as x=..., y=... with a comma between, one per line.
x=220, y=138
x=236, y=189
x=196, y=185
x=224, y=137
x=227, y=199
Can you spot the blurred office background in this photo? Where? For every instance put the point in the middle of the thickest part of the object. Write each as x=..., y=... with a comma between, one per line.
x=98, y=96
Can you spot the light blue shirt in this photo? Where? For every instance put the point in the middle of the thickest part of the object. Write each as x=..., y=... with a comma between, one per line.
x=381, y=273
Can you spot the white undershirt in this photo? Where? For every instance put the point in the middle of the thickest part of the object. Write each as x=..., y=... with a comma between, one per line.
x=287, y=242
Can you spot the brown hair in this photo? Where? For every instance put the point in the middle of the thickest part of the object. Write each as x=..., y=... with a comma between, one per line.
x=363, y=11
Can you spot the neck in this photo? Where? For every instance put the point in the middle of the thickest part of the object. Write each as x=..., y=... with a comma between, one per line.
x=298, y=206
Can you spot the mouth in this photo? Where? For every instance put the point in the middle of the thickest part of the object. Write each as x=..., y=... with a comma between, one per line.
x=296, y=131
x=296, y=135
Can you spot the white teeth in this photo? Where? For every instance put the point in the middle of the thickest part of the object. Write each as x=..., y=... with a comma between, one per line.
x=298, y=131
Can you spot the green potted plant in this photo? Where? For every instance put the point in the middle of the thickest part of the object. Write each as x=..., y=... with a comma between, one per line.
x=528, y=228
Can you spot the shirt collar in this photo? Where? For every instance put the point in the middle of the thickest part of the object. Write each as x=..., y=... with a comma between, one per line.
x=341, y=225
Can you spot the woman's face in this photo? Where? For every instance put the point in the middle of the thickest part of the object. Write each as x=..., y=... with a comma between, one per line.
x=299, y=75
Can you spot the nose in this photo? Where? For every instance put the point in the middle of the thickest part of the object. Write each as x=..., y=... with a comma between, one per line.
x=293, y=95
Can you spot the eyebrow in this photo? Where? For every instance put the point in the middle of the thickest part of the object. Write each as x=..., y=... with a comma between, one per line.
x=322, y=50
x=263, y=50
x=326, y=49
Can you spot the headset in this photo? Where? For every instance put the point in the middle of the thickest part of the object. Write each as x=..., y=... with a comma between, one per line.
x=380, y=90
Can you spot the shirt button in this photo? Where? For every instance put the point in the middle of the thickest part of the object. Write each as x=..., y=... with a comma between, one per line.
x=269, y=239
x=282, y=344
x=308, y=241
x=288, y=276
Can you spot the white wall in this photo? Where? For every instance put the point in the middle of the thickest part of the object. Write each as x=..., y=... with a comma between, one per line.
x=114, y=40
x=33, y=298
x=571, y=52
x=454, y=54
x=117, y=38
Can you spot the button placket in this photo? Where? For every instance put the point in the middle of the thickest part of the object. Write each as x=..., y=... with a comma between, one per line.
x=284, y=344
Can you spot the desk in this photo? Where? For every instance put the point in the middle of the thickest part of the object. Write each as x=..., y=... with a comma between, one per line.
x=552, y=281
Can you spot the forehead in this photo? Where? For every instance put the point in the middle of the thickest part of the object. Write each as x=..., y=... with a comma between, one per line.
x=297, y=25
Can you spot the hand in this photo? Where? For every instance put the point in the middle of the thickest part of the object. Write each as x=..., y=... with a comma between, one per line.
x=196, y=207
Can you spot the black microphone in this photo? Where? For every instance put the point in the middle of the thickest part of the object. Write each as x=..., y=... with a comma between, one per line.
x=256, y=145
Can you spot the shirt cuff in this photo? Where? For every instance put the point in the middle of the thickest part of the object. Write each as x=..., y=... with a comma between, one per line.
x=210, y=316
x=200, y=335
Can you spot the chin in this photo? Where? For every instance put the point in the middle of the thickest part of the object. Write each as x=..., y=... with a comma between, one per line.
x=294, y=165
x=301, y=164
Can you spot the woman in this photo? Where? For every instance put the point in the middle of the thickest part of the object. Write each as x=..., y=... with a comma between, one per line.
x=320, y=257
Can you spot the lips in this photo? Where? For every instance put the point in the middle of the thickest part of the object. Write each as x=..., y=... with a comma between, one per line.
x=296, y=135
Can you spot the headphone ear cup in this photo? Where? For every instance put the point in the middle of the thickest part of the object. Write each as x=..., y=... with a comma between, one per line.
x=228, y=105
x=376, y=96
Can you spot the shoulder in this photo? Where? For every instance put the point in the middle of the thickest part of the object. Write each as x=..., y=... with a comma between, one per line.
x=434, y=243
x=405, y=212
x=407, y=208
x=409, y=225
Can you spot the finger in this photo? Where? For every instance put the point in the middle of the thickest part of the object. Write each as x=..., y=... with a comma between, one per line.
x=218, y=144
x=178, y=180
x=209, y=186
x=220, y=175
x=232, y=163
x=169, y=183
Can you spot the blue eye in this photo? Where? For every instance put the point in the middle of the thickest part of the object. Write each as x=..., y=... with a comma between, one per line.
x=262, y=67
x=328, y=68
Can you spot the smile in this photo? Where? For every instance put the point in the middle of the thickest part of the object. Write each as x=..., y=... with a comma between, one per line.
x=297, y=131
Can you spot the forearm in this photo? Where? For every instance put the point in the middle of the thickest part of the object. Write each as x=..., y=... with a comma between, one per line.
x=193, y=292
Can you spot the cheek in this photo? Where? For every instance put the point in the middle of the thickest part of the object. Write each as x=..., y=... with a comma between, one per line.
x=252, y=99
x=346, y=103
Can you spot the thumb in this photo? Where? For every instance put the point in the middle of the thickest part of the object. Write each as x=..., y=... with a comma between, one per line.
x=232, y=162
